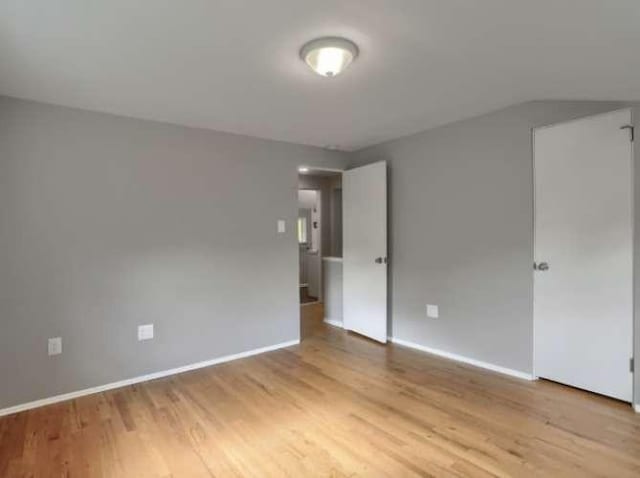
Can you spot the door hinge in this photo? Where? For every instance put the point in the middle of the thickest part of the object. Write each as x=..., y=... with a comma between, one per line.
x=631, y=365
x=631, y=129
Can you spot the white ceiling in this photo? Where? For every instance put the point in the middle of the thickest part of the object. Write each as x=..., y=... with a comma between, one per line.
x=233, y=65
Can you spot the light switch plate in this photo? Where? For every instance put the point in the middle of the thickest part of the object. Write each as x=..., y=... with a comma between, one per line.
x=432, y=311
x=145, y=332
x=281, y=226
x=55, y=346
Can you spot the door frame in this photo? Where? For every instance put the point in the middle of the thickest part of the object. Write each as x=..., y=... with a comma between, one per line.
x=322, y=213
x=633, y=237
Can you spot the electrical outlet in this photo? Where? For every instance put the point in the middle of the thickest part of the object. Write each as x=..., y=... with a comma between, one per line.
x=55, y=346
x=432, y=311
x=281, y=226
x=145, y=332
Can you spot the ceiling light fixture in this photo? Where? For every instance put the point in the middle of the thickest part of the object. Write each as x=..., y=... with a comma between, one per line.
x=329, y=56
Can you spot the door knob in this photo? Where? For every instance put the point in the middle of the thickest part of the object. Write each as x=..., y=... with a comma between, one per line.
x=542, y=266
x=381, y=260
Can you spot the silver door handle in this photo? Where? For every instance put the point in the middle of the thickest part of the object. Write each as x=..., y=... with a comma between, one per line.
x=381, y=260
x=542, y=266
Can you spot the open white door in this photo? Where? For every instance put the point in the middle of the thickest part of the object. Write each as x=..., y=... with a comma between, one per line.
x=364, y=193
x=583, y=251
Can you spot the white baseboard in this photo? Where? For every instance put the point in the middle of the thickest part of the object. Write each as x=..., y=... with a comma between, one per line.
x=143, y=378
x=310, y=303
x=334, y=322
x=463, y=359
x=636, y=407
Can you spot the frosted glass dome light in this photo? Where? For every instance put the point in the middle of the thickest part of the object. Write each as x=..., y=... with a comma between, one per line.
x=329, y=56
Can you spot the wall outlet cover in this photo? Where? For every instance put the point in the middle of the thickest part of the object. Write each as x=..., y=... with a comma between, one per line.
x=145, y=332
x=55, y=346
x=432, y=311
x=281, y=226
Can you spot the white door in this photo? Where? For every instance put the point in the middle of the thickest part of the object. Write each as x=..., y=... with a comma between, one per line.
x=583, y=331
x=364, y=199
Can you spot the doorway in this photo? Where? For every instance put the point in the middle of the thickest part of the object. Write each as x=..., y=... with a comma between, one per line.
x=319, y=227
x=343, y=212
x=319, y=234
x=583, y=278
x=308, y=230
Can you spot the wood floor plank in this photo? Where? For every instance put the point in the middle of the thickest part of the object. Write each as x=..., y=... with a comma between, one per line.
x=337, y=405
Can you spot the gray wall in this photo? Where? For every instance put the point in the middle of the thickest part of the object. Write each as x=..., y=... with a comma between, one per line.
x=461, y=231
x=336, y=221
x=108, y=222
x=332, y=287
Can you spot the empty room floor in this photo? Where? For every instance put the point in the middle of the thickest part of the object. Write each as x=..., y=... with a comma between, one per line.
x=336, y=405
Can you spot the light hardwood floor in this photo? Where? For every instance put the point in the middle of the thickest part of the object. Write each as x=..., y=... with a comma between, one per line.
x=337, y=405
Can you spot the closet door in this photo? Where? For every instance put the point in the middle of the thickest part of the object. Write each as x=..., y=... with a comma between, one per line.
x=583, y=332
